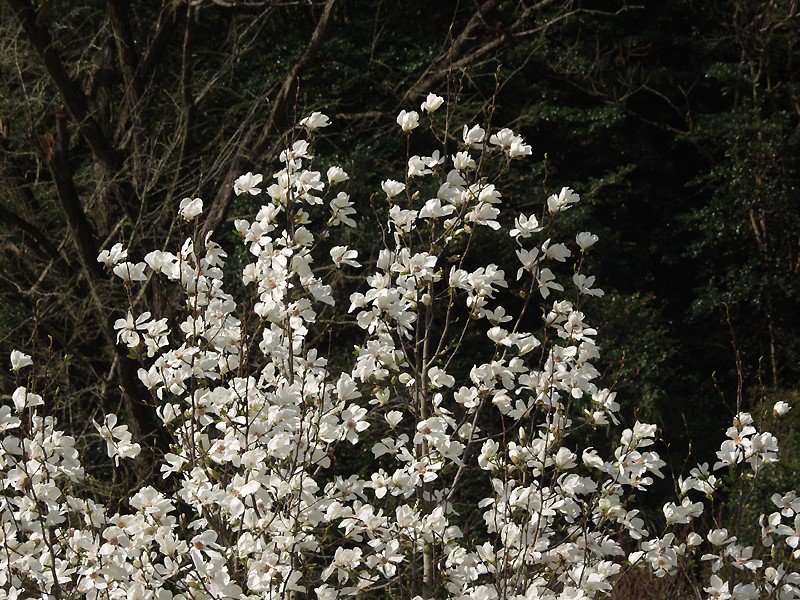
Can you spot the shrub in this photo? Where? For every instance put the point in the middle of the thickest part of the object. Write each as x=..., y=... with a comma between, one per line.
x=253, y=501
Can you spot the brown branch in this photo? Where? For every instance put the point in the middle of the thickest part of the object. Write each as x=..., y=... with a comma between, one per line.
x=164, y=33
x=128, y=61
x=71, y=93
x=441, y=65
x=459, y=56
x=143, y=420
x=79, y=225
x=14, y=181
x=257, y=142
x=119, y=18
x=187, y=97
x=42, y=246
x=289, y=84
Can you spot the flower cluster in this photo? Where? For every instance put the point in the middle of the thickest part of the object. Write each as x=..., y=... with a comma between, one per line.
x=260, y=417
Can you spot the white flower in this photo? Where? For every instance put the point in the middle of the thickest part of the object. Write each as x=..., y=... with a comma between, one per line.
x=717, y=588
x=298, y=150
x=392, y=187
x=20, y=360
x=23, y=399
x=519, y=148
x=128, y=328
x=586, y=240
x=393, y=418
x=417, y=167
x=546, y=281
x=529, y=259
x=342, y=209
x=525, y=226
x=433, y=209
x=163, y=262
x=584, y=285
x=432, y=103
x=111, y=257
x=315, y=120
x=408, y=120
x=342, y=256
x=131, y=272
x=502, y=138
x=719, y=537
x=562, y=201
x=484, y=214
x=379, y=483
x=684, y=513
x=557, y=252
x=462, y=161
x=473, y=136
x=511, y=144
x=247, y=184
x=190, y=208
x=439, y=378
x=387, y=558
x=353, y=423
x=6, y=420
x=403, y=220
x=781, y=408
x=337, y=175
x=156, y=336
x=118, y=439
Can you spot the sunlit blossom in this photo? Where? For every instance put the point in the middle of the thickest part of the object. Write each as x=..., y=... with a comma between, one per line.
x=432, y=103
x=248, y=184
x=291, y=470
x=314, y=121
x=408, y=120
x=190, y=208
x=20, y=360
x=392, y=187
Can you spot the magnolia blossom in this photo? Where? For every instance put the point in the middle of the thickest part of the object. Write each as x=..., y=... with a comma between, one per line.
x=118, y=439
x=585, y=240
x=473, y=136
x=408, y=120
x=20, y=360
x=341, y=255
x=432, y=103
x=393, y=418
x=336, y=175
x=524, y=227
x=190, y=208
x=247, y=184
x=113, y=256
x=562, y=201
x=129, y=328
x=316, y=120
x=462, y=161
x=781, y=408
x=263, y=498
x=392, y=187
x=23, y=399
x=354, y=423
x=584, y=285
x=512, y=144
x=131, y=272
x=342, y=210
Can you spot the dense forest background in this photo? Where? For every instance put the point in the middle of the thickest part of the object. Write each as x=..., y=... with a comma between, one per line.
x=676, y=121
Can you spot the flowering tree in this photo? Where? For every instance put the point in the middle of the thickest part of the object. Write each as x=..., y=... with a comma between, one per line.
x=252, y=502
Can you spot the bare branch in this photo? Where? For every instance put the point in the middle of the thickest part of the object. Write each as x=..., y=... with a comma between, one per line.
x=73, y=96
x=254, y=146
